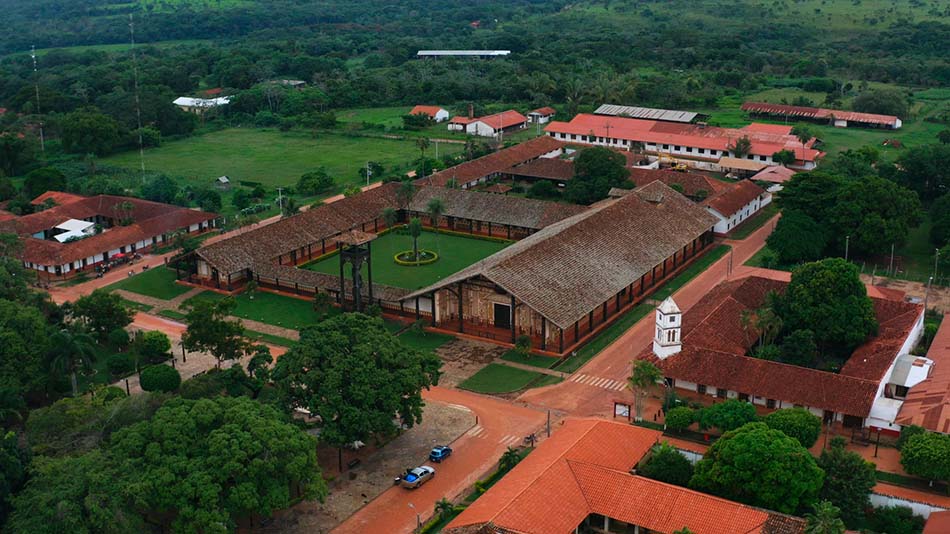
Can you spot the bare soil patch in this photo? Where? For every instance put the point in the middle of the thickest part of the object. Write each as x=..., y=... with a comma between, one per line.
x=462, y=358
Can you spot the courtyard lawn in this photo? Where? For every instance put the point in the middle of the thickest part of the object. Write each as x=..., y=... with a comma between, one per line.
x=455, y=253
x=157, y=282
x=270, y=157
x=498, y=378
x=270, y=308
x=534, y=360
x=390, y=118
x=425, y=341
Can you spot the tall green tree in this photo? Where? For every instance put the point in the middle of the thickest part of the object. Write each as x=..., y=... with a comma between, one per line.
x=824, y=520
x=741, y=147
x=210, y=330
x=356, y=376
x=415, y=230
x=14, y=461
x=24, y=347
x=813, y=193
x=849, y=479
x=206, y=463
x=390, y=216
x=83, y=494
x=828, y=298
x=925, y=171
x=876, y=213
x=643, y=377
x=102, y=312
x=71, y=352
x=666, y=464
x=927, y=455
x=89, y=132
x=803, y=132
x=786, y=240
x=42, y=180
x=761, y=467
x=596, y=170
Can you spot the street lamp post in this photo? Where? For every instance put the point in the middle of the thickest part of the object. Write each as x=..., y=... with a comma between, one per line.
x=418, y=518
x=847, y=241
x=936, y=259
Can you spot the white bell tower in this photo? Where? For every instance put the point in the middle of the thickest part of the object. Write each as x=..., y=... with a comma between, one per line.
x=669, y=321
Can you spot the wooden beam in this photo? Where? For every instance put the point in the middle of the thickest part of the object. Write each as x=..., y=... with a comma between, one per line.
x=461, y=308
x=544, y=333
x=513, y=314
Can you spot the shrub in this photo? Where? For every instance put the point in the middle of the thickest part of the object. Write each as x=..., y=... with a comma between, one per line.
x=908, y=432
x=160, y=378
x=119, y=338
x=679, y=418
x=152, y=346
x=110, y=393
x=204, y=386
x=542, y=189
x=728, y=415
x=895, y=520
x=523, y=344
x=796, y=423
x=667, y=465
x=120, y=364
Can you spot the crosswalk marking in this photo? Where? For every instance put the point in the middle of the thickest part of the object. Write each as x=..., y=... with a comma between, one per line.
x=600, y=382
x=476, y=431
x=509, y=440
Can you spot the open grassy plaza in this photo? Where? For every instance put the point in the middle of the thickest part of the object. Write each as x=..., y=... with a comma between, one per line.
x=270, y=157
x=455, y=253
x=158, y=283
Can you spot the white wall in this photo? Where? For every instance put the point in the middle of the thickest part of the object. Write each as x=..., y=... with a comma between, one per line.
x=919, y=508
x=441, y=115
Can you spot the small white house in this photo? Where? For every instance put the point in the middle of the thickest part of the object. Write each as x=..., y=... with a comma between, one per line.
x=736, y=204
x=436, y=113
x=541, y=115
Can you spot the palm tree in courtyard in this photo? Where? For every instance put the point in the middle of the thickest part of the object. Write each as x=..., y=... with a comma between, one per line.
x=72, y=351
x=824, y=520
x=415, y=230
x=436, y=208
x=509, y=459
x=423, y=144
x=389, y=217
x=443, y=507
x=645, y=375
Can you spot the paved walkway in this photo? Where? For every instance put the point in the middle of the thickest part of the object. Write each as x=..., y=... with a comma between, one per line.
x=533, y=368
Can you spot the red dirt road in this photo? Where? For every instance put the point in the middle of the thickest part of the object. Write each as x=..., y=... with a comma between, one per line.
x=500, y=424
x=592, y=390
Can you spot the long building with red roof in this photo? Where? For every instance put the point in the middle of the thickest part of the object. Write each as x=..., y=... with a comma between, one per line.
x=82, y=232
x=696, y=144
x=489, y=125
x=836, y=117
x=584, y=476
x=705, y=351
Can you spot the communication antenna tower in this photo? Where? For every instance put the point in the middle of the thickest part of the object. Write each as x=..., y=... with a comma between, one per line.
x=36, y=86
x=138, y=106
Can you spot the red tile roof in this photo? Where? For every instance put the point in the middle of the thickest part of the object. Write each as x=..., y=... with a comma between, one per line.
x=734, y=197
x=584, y=469
x=152, y=219
x=937, y=523
x=715, y=344
x=776, y=174
x=546, y=111
x=765, y=142
x=494, y=163
x=60, y=198
x=691, y=182
x=430, y=111
x=818, y=113
x=928, y=403
x=549, y=168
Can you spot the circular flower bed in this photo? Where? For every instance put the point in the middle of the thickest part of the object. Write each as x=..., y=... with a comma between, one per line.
x=407, y=258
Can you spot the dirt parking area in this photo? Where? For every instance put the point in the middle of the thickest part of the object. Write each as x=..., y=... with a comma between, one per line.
x=461, y=358
x=938, y=299
x=441, y=424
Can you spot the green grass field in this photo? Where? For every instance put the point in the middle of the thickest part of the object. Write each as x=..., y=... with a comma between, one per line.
x=270, y=308
x=271, y=157
x=425, y=341
x=386, y=117
x=157, y=283
x=455, y=253
x=535, y=360
x=498, y=378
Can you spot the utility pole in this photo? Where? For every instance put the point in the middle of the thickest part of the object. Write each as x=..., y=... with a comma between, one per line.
x=936, y=258
x=436, y=148
x=138, y=105
x=368, y=172
x=927, y=293
x=280, y=199
x=36, y=87
x=847, y=241
x=890, y=269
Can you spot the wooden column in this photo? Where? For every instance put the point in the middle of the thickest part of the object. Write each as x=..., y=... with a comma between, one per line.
x=461, y=314
x=560, y=334
x=323, y=246
x=417, y=308
x=508, y=226
x=577, y=330
x=342, y=296
x=590, y=321
x=603, y=312
x=544, y=333
x=369, y=269
x=432, y=298
x=513, y=314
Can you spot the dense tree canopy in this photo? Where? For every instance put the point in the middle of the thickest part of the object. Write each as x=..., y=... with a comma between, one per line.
x=356, y=376
x=727, y=415
x=210, y=330
x=102, y=312
x=89, y=132
x=786, y=240
x=24, y=344
x=927, y=455
x=796, y=423
x=849, y=479
x=875, y=213
x=666, y=464
x=761, y=467
x=211, y=461
x=596, y=170
x=828, y=298
x=883, y=102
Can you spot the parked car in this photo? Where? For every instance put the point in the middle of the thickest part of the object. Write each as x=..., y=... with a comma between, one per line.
x=417, y=477
x=440, y=453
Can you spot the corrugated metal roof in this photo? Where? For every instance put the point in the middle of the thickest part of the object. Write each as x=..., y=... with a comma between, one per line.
x=669, y=115
x=463, y=52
